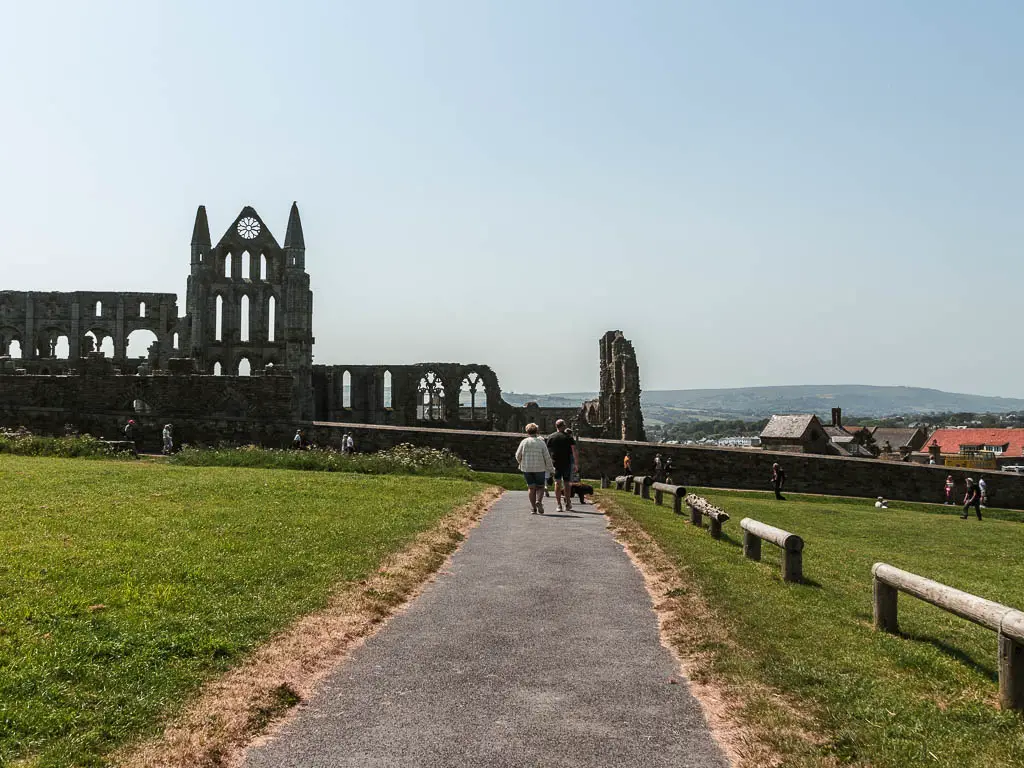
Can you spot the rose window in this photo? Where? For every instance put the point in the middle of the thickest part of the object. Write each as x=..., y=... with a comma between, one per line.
x=248, y=228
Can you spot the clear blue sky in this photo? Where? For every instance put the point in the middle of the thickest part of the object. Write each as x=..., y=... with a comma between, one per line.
x=755, y=193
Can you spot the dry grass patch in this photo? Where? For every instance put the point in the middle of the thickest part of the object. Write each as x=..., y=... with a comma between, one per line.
x=749, y=722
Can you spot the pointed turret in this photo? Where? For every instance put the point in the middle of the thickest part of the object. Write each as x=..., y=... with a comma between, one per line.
x=293, y=237
x=201, y=231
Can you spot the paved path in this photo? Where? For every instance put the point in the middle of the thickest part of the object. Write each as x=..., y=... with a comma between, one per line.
x=537, y=647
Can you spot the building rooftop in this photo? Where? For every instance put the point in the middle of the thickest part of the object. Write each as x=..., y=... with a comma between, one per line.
x=950, y=440
x=792, y=426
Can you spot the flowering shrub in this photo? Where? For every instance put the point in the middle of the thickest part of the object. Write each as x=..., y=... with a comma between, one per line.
x=22, y=442
x=404, y=459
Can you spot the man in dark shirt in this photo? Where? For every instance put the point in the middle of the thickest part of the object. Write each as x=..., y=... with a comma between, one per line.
x=778, y=480
x=562, y=448
x=972, y=499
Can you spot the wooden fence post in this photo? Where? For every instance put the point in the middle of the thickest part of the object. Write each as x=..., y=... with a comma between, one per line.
x=658, y=497
x=1011, y=662
x=695, y=515
x=793, y=563
x=605, y=482
x=885, y=606
x=751, y=545
x=715, y=526
x=677, y=504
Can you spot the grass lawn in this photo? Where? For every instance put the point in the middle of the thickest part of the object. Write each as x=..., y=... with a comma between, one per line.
x=123, y=585
x=925, y=698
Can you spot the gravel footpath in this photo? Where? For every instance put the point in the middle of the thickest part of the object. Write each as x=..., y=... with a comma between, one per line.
x=538, y=646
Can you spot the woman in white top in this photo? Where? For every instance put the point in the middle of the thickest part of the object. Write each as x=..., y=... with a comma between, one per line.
x=534, y=460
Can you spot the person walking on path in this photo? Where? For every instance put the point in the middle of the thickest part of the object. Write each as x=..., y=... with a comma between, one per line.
x=668, y=469
x=350, y=444
x=659, y=469
x=983, y=490
x=950, y=487
x=299, y=441
x=562, y=448
x=575, y=464
x=534, y=460
x=627, y=464
x=972, y=499
x=778, y=480
x=168, y=437
x=131, y=434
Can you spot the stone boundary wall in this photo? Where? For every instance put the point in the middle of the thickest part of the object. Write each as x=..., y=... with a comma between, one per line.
x=49, y=402
x=494, y=452
x=693, y=465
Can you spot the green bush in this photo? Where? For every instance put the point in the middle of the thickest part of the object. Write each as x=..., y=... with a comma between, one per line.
x=403, y=459
x=21, y=442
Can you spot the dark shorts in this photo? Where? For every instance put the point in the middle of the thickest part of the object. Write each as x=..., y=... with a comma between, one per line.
x=563, y=473
x=534, y=479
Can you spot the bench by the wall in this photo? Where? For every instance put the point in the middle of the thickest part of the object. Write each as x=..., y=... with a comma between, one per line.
x=754, y=532
x=624, y=483
x=642, y=486
x=699, y=506
x=677, y=492
x=1008, y=622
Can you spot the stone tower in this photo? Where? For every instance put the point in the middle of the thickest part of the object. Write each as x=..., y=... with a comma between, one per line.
x=619, y=400
x=249, y=303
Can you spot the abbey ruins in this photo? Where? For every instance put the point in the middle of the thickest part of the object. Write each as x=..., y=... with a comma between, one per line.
x=242, y=351
x=237, y=367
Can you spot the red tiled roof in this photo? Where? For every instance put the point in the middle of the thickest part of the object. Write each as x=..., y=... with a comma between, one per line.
x=950, y=440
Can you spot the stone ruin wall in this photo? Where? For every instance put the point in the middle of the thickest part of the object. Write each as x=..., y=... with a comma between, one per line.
x=249, y=302
x=40, y=321
x=447, y=395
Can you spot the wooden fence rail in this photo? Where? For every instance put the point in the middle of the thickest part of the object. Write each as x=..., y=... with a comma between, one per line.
x=699, y=506
x=676, y=491
x=1007, y=622
x=792, y=546
x=642, y=486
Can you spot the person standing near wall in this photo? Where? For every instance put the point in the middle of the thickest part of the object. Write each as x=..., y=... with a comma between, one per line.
x=168, y=437
x=131, y=434
x=350, y=443
x=983, y=490
x=950, y=487
x=534, y=460
x=563, y=455
x=778, y=480
x=972, y=499
x=627, y=464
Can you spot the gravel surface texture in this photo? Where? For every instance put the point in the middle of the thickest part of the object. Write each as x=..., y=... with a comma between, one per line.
x=537, y=646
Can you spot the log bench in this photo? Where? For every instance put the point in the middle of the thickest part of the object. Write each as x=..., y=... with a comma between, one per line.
x=699, y=506
x=1007, y=622
x=642, y=486
x=676, y=491
x=754, y=532
x=624, y=483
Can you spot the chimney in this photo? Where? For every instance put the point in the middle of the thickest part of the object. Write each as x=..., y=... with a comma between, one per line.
x=934, y=451
x=837, y=417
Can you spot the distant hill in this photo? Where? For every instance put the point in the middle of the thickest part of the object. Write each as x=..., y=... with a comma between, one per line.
x=668, y=405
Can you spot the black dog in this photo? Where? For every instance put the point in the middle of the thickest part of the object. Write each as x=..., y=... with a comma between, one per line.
x=581, y=490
